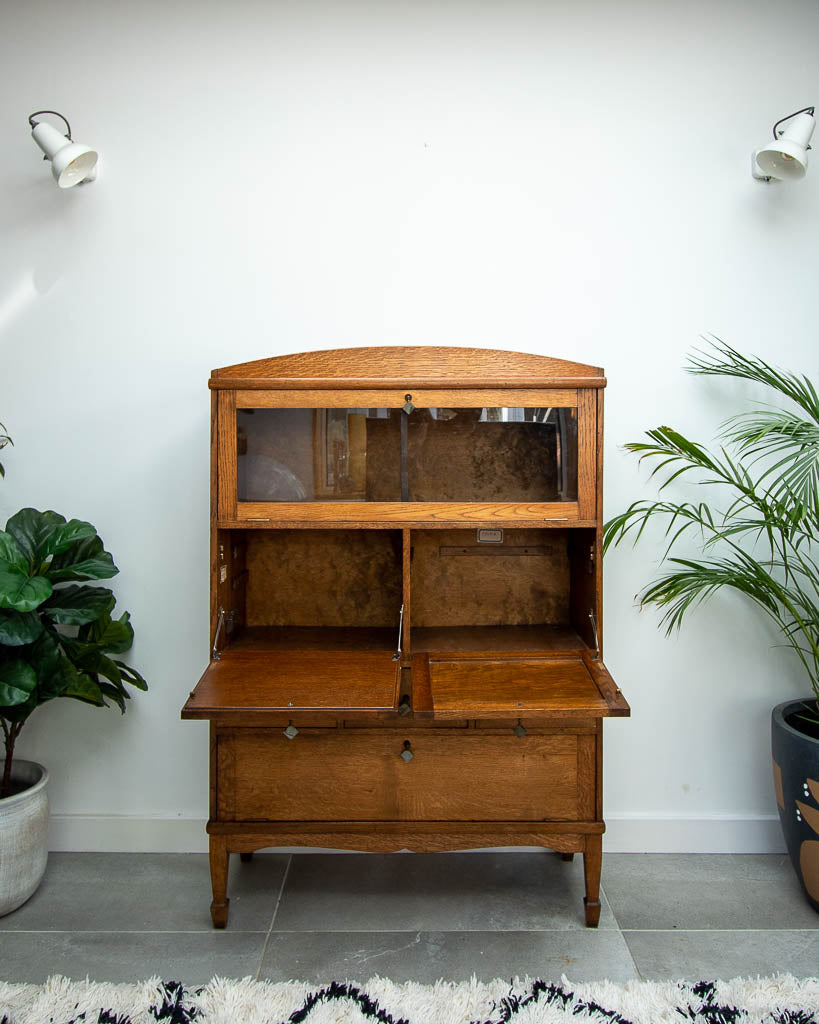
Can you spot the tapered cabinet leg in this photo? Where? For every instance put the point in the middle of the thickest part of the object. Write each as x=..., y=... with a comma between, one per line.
x=592, y=865
x=218, y=880
x=567, y=856
x=246, y=858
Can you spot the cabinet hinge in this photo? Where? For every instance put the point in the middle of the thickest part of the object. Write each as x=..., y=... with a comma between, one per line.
x=215, y=652
x=397, y=655
x=593, y=622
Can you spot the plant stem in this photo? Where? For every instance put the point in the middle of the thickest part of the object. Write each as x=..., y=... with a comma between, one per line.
x=10, y=734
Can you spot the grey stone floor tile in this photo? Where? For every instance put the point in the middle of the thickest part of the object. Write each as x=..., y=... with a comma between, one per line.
x=698, y=890
x=706, y=955
x=319, y=957
x=146, y=892
x=434, y=892
x=192, y=957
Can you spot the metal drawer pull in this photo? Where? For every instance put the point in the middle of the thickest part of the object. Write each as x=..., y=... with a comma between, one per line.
x=291, y=732
x=406, y=754
x=519, y=731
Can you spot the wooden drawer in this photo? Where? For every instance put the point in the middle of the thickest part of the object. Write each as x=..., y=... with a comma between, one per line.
x=359, y=775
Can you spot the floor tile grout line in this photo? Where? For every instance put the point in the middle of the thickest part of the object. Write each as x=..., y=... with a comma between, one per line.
x=717, y=931
x=273, y=918
x=618, y=928
x=402, y=931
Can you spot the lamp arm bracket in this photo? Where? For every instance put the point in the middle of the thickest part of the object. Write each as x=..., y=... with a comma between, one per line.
x=56, y=113
x=782, y=120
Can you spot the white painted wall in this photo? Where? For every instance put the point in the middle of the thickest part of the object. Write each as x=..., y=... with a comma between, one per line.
x=563, y=178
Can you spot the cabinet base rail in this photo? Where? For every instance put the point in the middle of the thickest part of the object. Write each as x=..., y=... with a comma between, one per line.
x=245, y=838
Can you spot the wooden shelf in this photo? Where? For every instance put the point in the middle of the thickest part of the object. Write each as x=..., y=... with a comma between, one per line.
x=314, y=638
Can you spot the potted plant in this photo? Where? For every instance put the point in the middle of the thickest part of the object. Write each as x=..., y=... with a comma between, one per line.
x=57, y=639
x=758, y=538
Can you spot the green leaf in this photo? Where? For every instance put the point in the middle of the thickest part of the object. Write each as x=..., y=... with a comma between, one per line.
x=11, y=554
x=64, y=537
x=17, y=628
x=21, y=593
x=115, y=636
x=130, y=675
x=32, y=529
x=84, y=560
x=114, y=693
x=82, y=687
x=17, y=682
x=75, y=605
x=48, y=662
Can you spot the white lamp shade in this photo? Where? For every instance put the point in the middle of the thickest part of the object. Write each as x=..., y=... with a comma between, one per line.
x=787, y=157
x=71, y=162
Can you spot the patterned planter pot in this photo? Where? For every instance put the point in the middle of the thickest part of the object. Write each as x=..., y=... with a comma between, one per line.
x=23, y=835
x=796, y=781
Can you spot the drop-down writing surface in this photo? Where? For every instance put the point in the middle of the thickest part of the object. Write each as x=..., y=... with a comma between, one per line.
x=247, y=683
x=552, y=686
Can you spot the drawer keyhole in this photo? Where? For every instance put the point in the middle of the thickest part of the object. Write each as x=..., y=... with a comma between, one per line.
x=406, y=754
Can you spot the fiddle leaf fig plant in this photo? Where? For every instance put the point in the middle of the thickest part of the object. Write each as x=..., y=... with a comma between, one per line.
x=758, y=536
x=58, y=637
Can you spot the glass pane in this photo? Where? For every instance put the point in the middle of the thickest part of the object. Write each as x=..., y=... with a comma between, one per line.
x=319, y=454
x=524, y=455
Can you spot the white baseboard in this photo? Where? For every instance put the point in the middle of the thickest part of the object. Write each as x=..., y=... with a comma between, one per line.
x=626, y=834
x=715, y=834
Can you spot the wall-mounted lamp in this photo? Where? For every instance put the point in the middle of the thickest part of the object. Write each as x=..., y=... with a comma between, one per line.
x=786, y=158
x=72, y=163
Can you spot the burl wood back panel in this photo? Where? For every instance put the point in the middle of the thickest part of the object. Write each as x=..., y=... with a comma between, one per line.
x=461, y=459
x=323, y=577
x=486, y=587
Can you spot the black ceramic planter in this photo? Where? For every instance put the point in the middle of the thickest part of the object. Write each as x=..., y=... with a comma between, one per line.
x=796, y=781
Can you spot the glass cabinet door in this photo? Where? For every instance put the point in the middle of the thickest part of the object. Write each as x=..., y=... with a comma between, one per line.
x=428, y=458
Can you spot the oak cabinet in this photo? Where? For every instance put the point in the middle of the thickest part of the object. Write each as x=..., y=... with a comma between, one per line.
x=406, y=606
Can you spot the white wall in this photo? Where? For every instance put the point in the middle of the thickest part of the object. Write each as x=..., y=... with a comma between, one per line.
x=562, y=178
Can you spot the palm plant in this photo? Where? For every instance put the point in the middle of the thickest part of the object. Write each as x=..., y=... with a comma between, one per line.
x=4, y=440
x=761, y=538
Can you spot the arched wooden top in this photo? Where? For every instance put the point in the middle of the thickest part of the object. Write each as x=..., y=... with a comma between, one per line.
x=408, y=366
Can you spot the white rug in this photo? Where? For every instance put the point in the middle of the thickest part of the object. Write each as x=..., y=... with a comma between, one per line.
x=776, y=1000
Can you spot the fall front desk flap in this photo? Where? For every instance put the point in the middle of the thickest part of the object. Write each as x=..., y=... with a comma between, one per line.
x=442, y=685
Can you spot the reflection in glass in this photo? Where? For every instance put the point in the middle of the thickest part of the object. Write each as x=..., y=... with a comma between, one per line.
x=493, y=454
x=310, y=454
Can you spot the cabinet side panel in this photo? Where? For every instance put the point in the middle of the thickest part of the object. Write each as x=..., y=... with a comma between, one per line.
x=214, y=512
x=599, y=541
x=226, y=458
x=587, y=453
x=225, y=777
x=587, y=776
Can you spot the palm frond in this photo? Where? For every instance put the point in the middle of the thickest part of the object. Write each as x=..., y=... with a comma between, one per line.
x=725, y=361
x=788, y=447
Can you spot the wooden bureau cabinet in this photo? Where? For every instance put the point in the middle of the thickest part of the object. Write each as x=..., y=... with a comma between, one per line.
x=406, y=606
